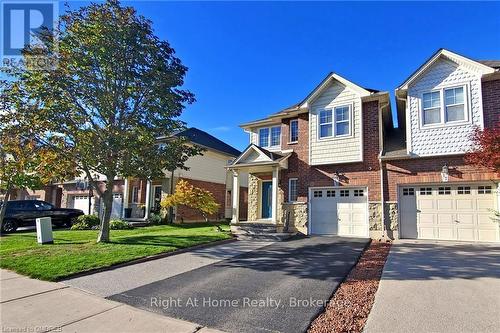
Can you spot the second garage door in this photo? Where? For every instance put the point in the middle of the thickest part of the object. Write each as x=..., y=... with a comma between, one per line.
x=336, y=211
x=448, y=212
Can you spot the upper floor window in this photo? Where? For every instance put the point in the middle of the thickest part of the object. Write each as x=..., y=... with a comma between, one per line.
x=325, y=124
x=294, y=130
x=264, y=137
x=454, y=104
x=432, y=108
x=338, y=125
x=342, y=121
x=444, y=106
x=270, y=136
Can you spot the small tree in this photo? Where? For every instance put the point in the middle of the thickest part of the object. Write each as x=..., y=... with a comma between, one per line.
x=26, y=165
x=486, y=151
x=194, y=197
x=116, y=89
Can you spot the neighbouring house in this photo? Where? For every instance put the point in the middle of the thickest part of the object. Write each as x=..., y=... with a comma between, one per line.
x=430, y=191
x=334, y=163
x=314, y=167
x=136, y=199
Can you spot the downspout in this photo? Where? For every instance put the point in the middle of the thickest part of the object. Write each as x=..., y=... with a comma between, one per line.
x=171, y=209
x=381, y=167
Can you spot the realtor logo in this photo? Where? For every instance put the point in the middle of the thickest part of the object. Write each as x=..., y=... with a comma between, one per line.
x=21, y=20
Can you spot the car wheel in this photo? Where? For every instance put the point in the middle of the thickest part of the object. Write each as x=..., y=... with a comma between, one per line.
x=9, y=226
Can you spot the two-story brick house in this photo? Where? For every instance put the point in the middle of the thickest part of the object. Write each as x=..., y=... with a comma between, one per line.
x=330, y=163
x=314, y=167
x=439, y=107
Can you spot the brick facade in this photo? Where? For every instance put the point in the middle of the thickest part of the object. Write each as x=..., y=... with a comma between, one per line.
x=364, y=173
x=187, y=214
x=491, y=102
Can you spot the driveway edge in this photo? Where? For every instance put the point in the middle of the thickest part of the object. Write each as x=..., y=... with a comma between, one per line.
x=145, y=259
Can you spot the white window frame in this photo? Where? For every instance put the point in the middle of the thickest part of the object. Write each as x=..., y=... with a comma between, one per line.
x=333, y=123
x=289, y=189
x=269, y=136
x=443, y=116
x=290, y=131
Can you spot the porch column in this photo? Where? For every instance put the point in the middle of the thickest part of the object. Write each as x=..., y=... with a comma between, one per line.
x=274, y=199
x=236, y=197
x=125, y=196
x=148, y=199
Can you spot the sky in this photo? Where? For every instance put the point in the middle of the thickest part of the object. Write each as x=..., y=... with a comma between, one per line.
x=247, y=60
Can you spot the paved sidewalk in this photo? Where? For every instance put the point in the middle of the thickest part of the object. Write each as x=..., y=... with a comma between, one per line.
x=28, y=305
x=430, y=286
x=121, y=279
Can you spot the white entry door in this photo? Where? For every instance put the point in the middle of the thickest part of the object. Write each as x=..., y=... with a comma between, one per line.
x=339, y=211
x=448, y=212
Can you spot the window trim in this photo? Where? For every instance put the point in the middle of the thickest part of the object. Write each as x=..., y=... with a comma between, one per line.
x=290, y=131
x=333, y=123
x=269, y=136
x=442, y=107
x=289, y=189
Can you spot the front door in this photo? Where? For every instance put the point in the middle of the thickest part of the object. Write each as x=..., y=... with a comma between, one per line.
x=266, y=199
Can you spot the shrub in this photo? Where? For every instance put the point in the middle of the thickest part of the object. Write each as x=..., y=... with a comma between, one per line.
x=154, y=219
x=86, y=222
x=119, y=225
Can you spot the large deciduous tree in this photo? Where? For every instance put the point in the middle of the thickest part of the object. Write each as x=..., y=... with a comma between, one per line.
x=116, y=89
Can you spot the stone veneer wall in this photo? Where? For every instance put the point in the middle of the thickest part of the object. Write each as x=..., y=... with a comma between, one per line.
x=375, y=219
x=253, y=198
x=297, y=213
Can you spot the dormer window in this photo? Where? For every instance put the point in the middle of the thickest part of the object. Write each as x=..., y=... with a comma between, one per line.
x=270, y=136
x=444, y=106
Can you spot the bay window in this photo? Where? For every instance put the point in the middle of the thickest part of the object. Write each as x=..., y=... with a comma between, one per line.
x=336, y=122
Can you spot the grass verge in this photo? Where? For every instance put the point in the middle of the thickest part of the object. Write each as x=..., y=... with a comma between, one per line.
x=76, y=251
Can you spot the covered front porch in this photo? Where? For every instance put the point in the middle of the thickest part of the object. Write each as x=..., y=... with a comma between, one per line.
x=265, y=197
x=141, y=198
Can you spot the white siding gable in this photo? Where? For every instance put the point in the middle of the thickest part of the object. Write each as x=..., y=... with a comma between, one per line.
x=336, y=149
x=209, y=167
x=447, y=138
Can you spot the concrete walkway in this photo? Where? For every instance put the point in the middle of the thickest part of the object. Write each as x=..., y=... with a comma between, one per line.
x=438, y=287
x=121, y=279
x=28, y=305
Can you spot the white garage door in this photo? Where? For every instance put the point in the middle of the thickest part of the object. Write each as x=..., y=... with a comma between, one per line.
x=82, y=202
x=339, y=211
x=448, y=212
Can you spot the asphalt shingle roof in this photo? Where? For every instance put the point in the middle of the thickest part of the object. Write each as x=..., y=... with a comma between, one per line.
x=204, y=139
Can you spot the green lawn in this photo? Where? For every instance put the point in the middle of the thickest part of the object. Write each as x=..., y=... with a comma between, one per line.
x=76, y=251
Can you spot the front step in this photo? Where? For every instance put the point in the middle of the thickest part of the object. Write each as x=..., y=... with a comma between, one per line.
x=258, y=231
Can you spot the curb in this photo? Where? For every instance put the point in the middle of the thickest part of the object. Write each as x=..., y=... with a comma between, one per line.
x=145, y=259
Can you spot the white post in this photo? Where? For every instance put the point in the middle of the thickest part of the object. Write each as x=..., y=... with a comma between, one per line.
x=236, y=197
x=125, y=196
x=148, y=199
x=274, y=199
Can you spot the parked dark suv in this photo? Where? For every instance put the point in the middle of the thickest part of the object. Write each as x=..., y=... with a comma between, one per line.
x=24, y=212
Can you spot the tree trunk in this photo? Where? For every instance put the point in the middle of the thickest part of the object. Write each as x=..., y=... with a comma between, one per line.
x=108, y=203
x=3, y=209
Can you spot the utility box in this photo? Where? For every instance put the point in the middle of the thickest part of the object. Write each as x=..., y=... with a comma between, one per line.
x=44, y=230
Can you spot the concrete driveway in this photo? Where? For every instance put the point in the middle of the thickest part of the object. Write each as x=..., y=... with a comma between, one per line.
x=278, y=288
x=438, y=287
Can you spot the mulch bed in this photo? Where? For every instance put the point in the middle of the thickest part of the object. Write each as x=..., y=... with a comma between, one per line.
x=348, y=309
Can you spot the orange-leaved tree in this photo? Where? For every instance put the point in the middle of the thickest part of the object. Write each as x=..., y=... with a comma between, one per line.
x=191, y=196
